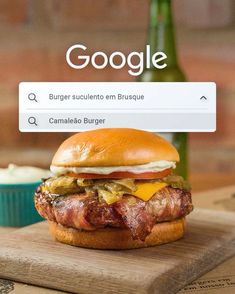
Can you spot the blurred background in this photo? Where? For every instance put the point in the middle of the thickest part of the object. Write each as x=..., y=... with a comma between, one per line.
x=35, y=35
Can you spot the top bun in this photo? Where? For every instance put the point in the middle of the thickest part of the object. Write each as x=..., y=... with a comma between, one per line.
x=113, y=147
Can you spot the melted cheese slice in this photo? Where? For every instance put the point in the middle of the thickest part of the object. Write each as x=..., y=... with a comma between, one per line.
x=145, y=191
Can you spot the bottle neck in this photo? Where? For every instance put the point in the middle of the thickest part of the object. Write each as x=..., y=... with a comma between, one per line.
x=161, y=31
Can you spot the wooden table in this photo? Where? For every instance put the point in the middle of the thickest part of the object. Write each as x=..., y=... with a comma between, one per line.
x=6, y=230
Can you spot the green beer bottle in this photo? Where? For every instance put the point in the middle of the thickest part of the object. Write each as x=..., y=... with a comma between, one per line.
x=161, y=37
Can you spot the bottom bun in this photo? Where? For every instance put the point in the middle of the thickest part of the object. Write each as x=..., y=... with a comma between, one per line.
x=114, y=238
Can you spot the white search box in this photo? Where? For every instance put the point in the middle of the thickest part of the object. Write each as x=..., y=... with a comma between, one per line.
x=158, y=107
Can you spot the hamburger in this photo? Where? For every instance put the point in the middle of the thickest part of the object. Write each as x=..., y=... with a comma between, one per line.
x=115, y=189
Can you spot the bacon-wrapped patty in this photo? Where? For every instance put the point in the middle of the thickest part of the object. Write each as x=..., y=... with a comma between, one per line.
x=85, y=211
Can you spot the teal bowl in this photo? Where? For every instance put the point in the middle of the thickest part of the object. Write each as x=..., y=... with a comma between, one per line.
x=17, y=204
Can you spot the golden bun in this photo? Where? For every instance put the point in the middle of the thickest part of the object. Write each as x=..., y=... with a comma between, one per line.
x=114, y=238
x=113, y=147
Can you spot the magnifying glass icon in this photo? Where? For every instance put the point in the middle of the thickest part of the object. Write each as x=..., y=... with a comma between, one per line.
x=32, y=120
x=32, y=97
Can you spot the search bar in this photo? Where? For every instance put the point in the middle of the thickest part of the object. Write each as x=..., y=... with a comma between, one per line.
x=160, y=107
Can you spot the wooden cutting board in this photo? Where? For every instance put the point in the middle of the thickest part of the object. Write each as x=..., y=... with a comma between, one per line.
x=30, y=255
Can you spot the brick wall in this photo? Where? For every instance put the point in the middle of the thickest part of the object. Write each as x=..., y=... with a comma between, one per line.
x=36, y=34
x=111, y=15
x=205, y=13
x=13, y=14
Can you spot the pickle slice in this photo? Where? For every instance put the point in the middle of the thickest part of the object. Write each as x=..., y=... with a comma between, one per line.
x=62, y=185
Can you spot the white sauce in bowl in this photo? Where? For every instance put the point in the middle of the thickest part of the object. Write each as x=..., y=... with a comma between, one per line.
x=14, y=174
